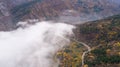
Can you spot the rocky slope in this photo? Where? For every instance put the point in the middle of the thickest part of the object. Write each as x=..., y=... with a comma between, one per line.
x=62, y=10
x=84, y=9
x=5, y=16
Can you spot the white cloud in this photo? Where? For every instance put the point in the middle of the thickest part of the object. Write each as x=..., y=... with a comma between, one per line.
x=33, y=46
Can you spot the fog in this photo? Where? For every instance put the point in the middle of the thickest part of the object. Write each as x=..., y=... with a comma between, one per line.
x=34, y=45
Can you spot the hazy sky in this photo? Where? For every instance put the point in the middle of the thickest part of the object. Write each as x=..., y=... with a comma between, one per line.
x=116, y=1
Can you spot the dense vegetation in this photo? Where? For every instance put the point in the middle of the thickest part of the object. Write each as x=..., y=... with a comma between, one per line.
x=71, y=56
x=104, y=38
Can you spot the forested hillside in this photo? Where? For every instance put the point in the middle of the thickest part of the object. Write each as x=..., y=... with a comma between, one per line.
x=103, y=36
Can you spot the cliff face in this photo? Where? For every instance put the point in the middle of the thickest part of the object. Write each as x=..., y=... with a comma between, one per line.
x=81, y=10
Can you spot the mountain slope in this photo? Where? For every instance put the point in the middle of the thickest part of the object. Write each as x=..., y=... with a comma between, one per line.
x=86, y=10
x=103, y=36
x=6, y=22
x=62, y=10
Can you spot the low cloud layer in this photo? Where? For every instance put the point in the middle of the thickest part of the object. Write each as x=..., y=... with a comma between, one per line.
x=35, y=45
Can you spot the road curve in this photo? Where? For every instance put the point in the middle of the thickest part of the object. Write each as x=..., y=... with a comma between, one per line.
x=84, y=53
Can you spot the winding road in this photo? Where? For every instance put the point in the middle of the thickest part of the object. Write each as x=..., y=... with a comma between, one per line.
x=84, y=53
